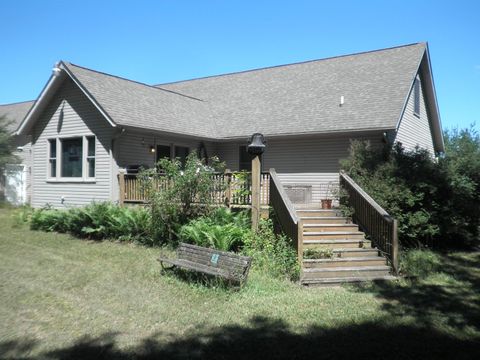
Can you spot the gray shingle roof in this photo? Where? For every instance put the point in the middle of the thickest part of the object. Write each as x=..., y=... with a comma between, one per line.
x=130, y=103
x=16, y=112
x=305, y=97
x=299, y=98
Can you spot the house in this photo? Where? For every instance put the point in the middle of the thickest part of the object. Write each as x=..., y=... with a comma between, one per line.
x=86, y=125
x=14, y=181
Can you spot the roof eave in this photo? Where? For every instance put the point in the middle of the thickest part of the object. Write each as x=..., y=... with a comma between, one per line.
x=53, y=83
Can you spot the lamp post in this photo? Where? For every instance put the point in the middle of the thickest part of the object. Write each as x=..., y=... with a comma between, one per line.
x=256, y=147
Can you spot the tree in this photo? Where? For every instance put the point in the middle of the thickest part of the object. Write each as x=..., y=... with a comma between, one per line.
x=7, y=144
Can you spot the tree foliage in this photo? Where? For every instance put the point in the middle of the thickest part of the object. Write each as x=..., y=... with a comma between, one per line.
x=7, y=145
x=435, y=200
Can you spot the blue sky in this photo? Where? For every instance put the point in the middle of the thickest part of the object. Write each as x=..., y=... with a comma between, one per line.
x=161, y=41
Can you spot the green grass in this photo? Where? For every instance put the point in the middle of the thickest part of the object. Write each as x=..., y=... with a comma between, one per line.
x=62, y=298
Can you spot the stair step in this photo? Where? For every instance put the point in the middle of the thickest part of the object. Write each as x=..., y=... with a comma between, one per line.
x=319, y=235
x=340, y=272
x=344, y=262
x=336, y=243
x=318, y=213
x=356, y=252
x=326, y=219
x=330, y=227
x=345, y=280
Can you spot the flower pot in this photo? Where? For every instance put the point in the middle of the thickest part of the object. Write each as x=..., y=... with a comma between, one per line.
x=326, y=203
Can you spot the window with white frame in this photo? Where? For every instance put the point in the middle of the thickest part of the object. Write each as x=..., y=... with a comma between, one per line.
x=90, y=156
x=52, y=158
x=72, y=158
x=416, y=96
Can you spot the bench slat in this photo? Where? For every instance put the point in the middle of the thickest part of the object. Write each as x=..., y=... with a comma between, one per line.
x=193, y=257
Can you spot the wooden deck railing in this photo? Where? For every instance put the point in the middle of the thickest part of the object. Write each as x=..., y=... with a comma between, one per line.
x=373, y=219
x=285, y=212
x=229, y=188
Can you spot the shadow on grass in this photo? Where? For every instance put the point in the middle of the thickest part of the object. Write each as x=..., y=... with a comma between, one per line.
x=451, y=298
x=269, y=339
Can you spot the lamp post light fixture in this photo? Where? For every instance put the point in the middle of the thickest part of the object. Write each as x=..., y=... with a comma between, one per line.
x=256, y=146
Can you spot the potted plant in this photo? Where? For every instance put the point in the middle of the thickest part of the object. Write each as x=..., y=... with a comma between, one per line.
x=328, y=196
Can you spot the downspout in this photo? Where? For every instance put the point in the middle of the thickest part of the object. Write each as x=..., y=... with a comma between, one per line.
x=114, y=167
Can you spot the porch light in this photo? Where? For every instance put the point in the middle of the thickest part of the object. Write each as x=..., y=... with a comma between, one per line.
x=152, y=149
x=256, y=144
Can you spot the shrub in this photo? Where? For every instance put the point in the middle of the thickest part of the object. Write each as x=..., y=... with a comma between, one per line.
x=419, y=262
x=96, y=221
x=437, y=203
x=222, y=230
x=273, y=254
x=186, y=196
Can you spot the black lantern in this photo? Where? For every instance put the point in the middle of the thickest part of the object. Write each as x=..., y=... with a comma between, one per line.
x=256, y=144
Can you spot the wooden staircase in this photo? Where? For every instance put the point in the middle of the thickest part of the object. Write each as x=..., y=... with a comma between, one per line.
x=347, y=257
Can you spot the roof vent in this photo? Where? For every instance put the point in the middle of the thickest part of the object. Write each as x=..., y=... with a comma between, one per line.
x=342, y=100
x=56, y=69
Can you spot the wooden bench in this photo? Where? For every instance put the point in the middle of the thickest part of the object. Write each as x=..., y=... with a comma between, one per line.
x=214, y=262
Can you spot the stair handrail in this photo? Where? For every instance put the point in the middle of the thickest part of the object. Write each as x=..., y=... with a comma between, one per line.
x=285, y=213
x=283, y=194
x=378, y=224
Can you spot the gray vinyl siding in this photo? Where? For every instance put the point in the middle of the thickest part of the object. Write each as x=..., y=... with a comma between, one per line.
x=134, y=147
x=302, y=161
x=80, y=118
x=415, y=130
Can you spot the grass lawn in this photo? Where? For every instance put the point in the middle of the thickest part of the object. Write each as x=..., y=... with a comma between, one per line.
x=64, y=298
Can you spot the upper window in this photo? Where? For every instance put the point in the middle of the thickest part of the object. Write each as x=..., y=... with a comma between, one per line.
x=72, y=157
x=416, y=97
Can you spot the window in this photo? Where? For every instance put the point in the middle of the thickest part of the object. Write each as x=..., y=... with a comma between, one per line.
x=416, y=95
x=163, y=151
x=182, y=153
x=91, y=156
x=52, y=158
x=72, y=157
x=245, y=158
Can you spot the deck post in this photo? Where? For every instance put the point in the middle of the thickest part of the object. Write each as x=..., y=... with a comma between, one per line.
x=228, y=189
x=300, y=242
x=395, y=246
x=255, y=192
x=121, y=186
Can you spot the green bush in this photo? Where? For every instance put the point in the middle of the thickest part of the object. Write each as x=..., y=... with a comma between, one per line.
x=222, y=230
x=188, y=194
x=419, y=262
x=271, y=253
x=96, y=221
x=436, y=202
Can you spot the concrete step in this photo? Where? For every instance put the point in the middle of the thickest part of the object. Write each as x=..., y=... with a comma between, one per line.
x=331, y=235
x=326, y=220
x=344, y=262
x=345, y=280
x=329, y=227
x=318, y=212
x=343, y=272
x=335, y=243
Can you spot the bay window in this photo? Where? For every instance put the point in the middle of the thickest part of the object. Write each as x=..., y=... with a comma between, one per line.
x=71, y=158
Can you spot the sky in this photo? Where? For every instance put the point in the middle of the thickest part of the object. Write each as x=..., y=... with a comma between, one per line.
x=161, y=41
